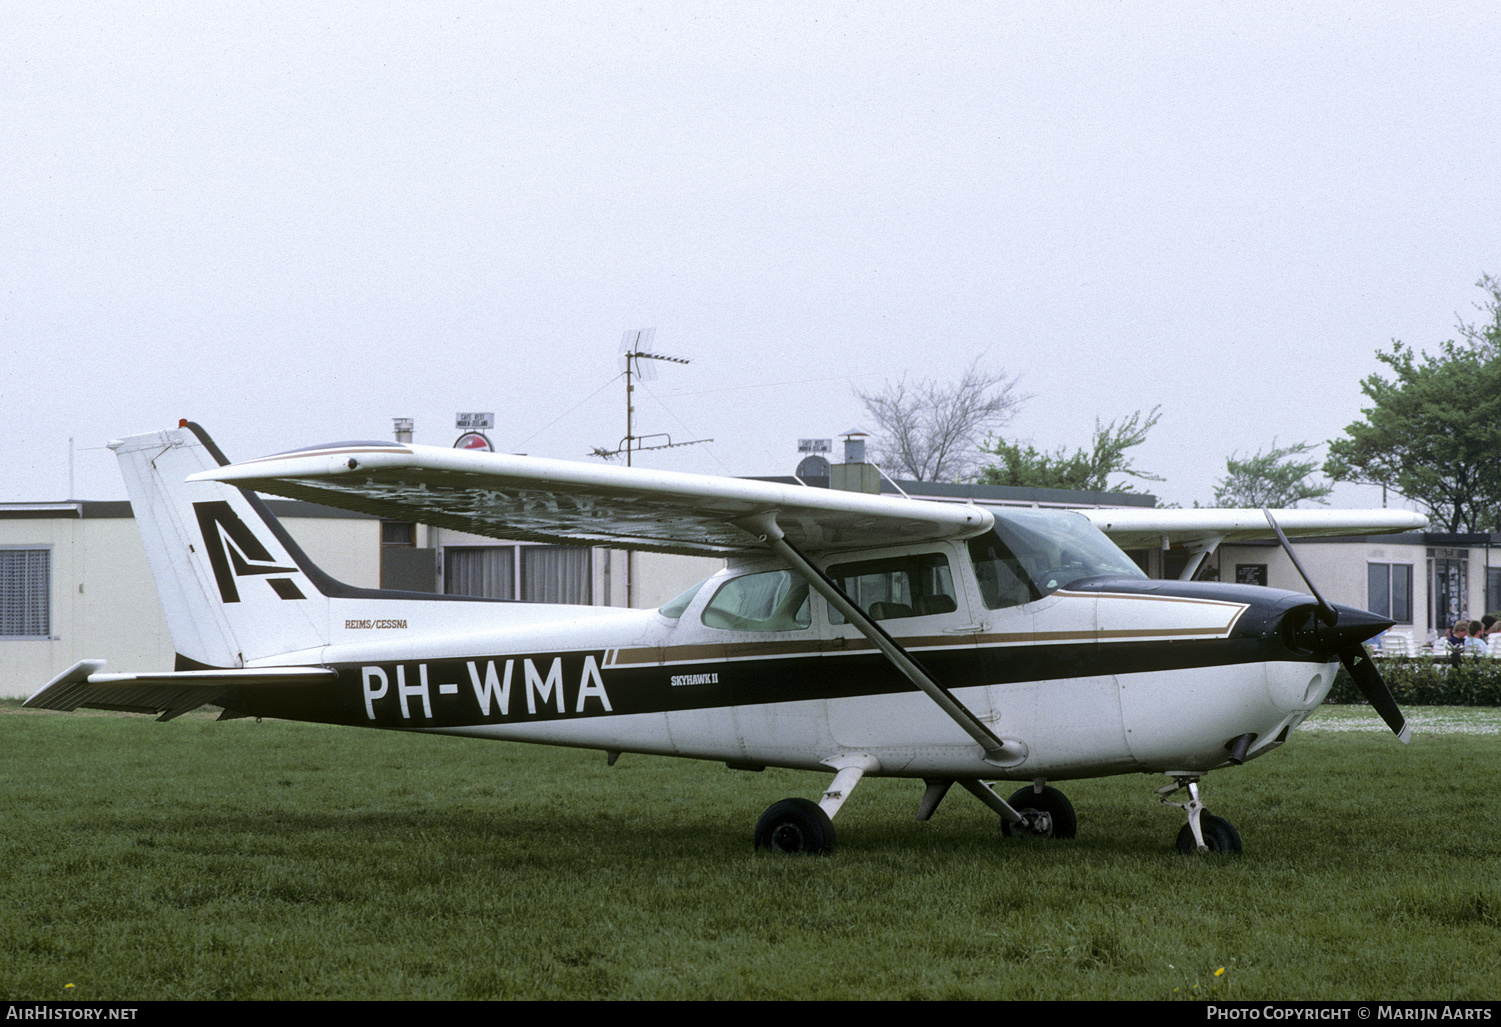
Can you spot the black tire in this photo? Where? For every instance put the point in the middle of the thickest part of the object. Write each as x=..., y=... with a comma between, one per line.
x=794, y=827
x=1219, y=834
x=1060, y=819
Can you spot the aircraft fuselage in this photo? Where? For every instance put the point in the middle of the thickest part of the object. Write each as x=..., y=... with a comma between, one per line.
x=1104, y=677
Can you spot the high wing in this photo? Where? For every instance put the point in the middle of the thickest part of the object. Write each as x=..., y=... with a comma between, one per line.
x=1149, y=529
x=540, y=500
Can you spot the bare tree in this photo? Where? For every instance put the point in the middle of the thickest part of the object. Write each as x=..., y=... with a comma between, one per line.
x=931, y=430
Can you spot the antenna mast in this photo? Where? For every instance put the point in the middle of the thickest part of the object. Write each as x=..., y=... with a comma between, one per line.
x=635, y=346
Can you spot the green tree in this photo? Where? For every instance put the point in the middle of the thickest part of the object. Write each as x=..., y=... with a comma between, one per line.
x=1275, y=478
x=1433, y=432
x=1089, y=469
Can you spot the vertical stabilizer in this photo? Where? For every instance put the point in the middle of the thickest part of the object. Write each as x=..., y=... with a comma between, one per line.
x=232, y=584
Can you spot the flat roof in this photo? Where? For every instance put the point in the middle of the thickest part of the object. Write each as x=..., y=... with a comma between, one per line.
x=88, y=509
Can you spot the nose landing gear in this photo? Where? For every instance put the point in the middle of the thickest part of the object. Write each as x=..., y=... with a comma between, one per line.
x=1204, y=831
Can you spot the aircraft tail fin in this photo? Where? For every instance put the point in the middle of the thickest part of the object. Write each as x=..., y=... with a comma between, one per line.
x=233, y=584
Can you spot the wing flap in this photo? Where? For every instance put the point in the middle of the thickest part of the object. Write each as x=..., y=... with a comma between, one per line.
x=170, y=694
x=533, y=499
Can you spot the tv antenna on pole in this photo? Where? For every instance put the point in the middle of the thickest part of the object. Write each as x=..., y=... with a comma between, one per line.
x=636, y=346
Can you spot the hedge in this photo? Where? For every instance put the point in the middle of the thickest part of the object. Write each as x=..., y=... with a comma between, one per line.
x=1425, y=681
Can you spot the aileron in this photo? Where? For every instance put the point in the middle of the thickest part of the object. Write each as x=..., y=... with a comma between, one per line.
x=1146, y=529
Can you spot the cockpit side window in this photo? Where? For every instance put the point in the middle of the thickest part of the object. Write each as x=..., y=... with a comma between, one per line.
x=917, y=585
x=1002, y=580
x=770, y=601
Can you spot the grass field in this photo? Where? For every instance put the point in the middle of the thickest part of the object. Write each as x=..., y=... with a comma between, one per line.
x=277, y=860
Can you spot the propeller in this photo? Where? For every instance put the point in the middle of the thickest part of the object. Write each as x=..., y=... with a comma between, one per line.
x=1347, y=641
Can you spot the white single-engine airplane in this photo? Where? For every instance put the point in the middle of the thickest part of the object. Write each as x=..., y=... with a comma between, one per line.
x=848, y=633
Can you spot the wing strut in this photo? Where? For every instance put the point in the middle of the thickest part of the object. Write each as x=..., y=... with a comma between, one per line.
x=998, y=752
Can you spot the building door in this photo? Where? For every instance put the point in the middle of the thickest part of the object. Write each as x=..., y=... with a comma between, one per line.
x=1448, y=584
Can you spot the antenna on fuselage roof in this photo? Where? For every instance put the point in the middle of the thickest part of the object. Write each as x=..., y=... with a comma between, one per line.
x=636, y=346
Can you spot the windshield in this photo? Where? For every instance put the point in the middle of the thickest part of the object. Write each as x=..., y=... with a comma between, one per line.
x=1031, y=553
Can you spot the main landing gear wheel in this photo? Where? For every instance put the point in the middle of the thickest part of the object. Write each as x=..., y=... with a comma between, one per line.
x=1049, y=814
x=795, y=826
x=1219, y=834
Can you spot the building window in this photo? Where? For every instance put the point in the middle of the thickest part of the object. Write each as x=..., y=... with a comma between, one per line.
x=533, y=574
x=1389, y=590
x=557, y=574
x=486, y=572
x=398, y=533
x=25, y=593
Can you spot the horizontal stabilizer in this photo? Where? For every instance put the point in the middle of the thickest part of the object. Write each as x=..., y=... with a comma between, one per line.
x=170, y=694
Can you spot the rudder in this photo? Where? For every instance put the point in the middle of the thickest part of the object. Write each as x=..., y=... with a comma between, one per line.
x=233, y=585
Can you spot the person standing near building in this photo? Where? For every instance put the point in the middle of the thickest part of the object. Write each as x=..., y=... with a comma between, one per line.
x=1455, y=638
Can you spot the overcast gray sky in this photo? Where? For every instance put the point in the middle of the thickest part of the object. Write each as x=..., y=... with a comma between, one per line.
x=292, y=223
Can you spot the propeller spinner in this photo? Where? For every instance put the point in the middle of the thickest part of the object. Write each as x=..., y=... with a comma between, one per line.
x=1345, y=641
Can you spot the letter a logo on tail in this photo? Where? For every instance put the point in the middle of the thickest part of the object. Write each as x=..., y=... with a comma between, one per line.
x=234, y=551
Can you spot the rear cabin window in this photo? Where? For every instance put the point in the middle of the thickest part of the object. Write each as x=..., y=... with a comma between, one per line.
x=770, y=601
x=918, y=585
x=675, y=608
